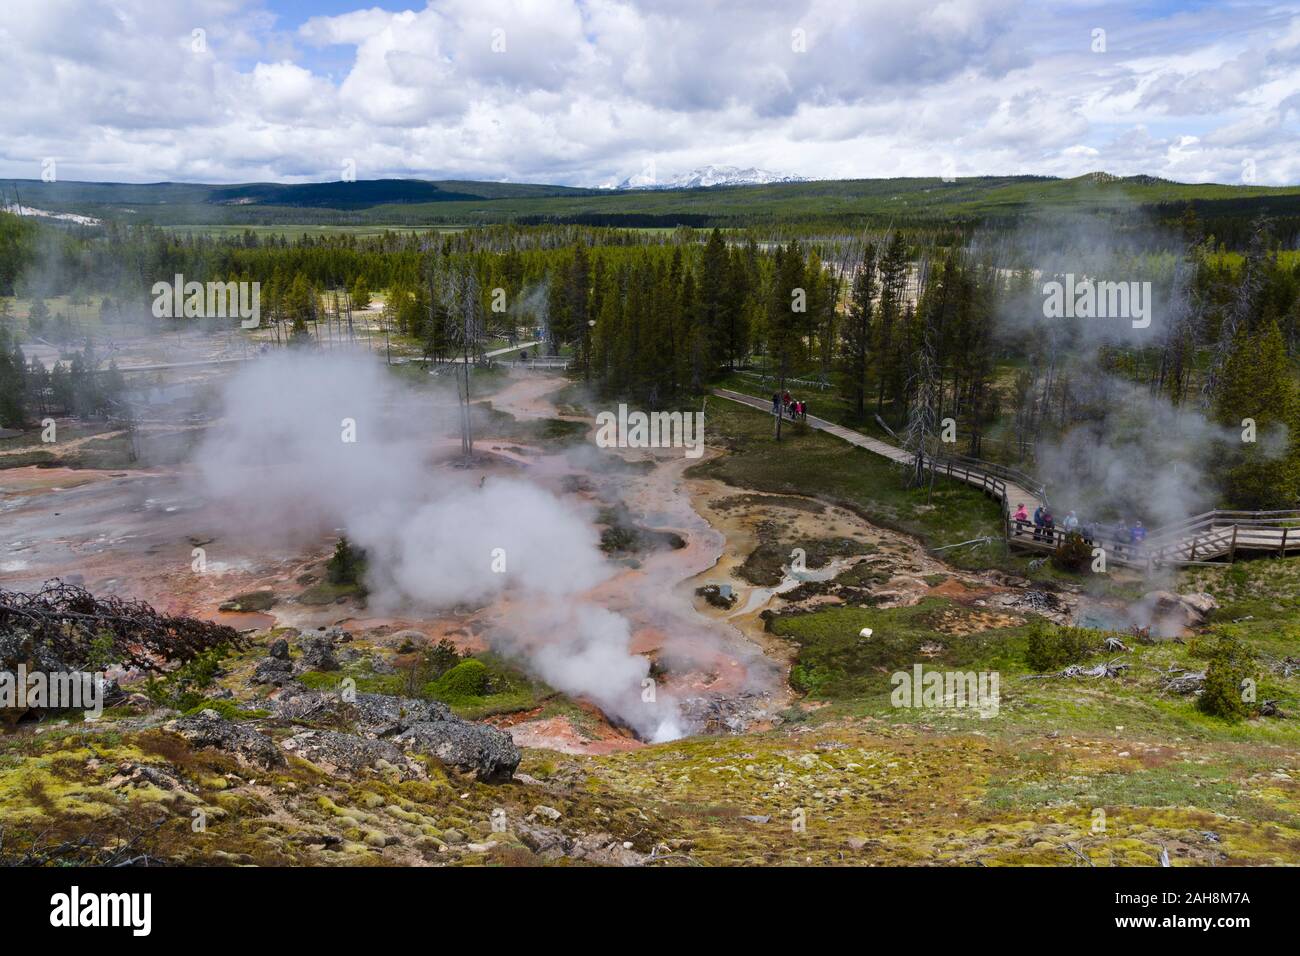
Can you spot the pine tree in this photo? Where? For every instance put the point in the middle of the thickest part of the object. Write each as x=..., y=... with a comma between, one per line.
x=856, y=335
x=893, y=278
x=360, y=293
x=713, y=299
x=38, y=315
x=783, y=321
x=13, y=381
x=1256, y=384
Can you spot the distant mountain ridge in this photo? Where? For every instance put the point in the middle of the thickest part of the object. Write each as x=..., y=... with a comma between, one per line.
x=707, y=176
x=711, y=196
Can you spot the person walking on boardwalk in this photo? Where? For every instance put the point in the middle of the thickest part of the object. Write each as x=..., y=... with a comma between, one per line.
x=1021, y=517
x=776, y=403
x=1038, y=523
x=1137, y=534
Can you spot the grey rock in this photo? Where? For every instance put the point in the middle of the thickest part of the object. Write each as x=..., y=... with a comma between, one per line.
x=381, y=715
x=209, y=729
x=318, y=653
x=274, y=671
x=422, y=726
x=404, y=640
x=280, y=649
x=333, y=751
x=479, y=748
x=544, y=841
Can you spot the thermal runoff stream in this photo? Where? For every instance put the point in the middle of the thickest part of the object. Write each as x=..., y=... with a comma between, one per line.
x=503, y=554
x=583, y=566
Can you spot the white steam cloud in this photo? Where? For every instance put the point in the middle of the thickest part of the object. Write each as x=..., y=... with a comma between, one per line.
x=279, y=467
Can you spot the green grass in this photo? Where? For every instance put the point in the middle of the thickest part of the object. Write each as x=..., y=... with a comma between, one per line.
x=834, y=662
x=476, y=688
x=808, y=462
x=109, y=453
x=485, y=685
x=325, y=592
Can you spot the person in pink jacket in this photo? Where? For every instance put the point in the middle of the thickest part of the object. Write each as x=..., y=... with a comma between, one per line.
x=1021, y=517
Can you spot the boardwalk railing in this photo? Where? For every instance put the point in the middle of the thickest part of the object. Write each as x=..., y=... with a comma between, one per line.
x=801, y=382
x=1196, y=540
x=992, y=485
x=558, y=362
x=1008, y=475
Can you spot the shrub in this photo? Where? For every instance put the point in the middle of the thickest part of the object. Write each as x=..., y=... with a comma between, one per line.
x=183, y=687
x=1050, y=647
x=227, y=708
x=1073, y=553
x=442, y=657
x=467, y=679
x=1221, y=695
x=347, y=565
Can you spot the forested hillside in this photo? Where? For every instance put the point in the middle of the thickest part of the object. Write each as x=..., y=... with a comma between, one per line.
x=950, y=207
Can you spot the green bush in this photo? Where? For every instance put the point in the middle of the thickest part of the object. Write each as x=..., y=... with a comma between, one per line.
x=347, y=565
x=442, y=657
x=1073, y=553
x=468, y=679
x=1230, y=665
x=419, y=670
x=1050, y=647
x=227, y=708
x=183, y=687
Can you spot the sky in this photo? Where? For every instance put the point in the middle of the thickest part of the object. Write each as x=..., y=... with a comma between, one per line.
x=594, y=92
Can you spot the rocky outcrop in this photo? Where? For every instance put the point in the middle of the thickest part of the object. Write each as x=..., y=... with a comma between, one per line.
x=275, y=671
x=317, y=653
x=333, y=751
x=480, y=749
x=421, y=726
x=379, y=715
x=207, y=728
x=1169, y=614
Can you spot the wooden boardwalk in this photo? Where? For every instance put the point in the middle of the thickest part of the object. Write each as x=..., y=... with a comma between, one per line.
x=1203, y=539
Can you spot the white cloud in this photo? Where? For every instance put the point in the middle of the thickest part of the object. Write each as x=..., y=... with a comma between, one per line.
x=584, y=93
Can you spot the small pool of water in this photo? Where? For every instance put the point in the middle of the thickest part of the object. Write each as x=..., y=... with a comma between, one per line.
x=1102, y=617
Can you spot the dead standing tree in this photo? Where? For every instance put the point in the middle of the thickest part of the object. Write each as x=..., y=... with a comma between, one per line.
x=1238, y=313
x=466, y=331
x=925, y=390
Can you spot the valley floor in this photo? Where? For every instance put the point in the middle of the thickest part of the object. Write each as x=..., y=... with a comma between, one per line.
x=798, y=755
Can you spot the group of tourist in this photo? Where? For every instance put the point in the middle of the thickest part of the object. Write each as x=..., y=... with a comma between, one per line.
x=791, y=408
x=1119, y=534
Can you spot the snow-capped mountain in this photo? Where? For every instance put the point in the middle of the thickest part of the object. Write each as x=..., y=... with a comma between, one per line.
x=710, y=176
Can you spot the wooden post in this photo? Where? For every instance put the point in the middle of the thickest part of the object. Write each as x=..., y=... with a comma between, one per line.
x=1192, y=556
x=1281, y=552
x=1232, y=549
